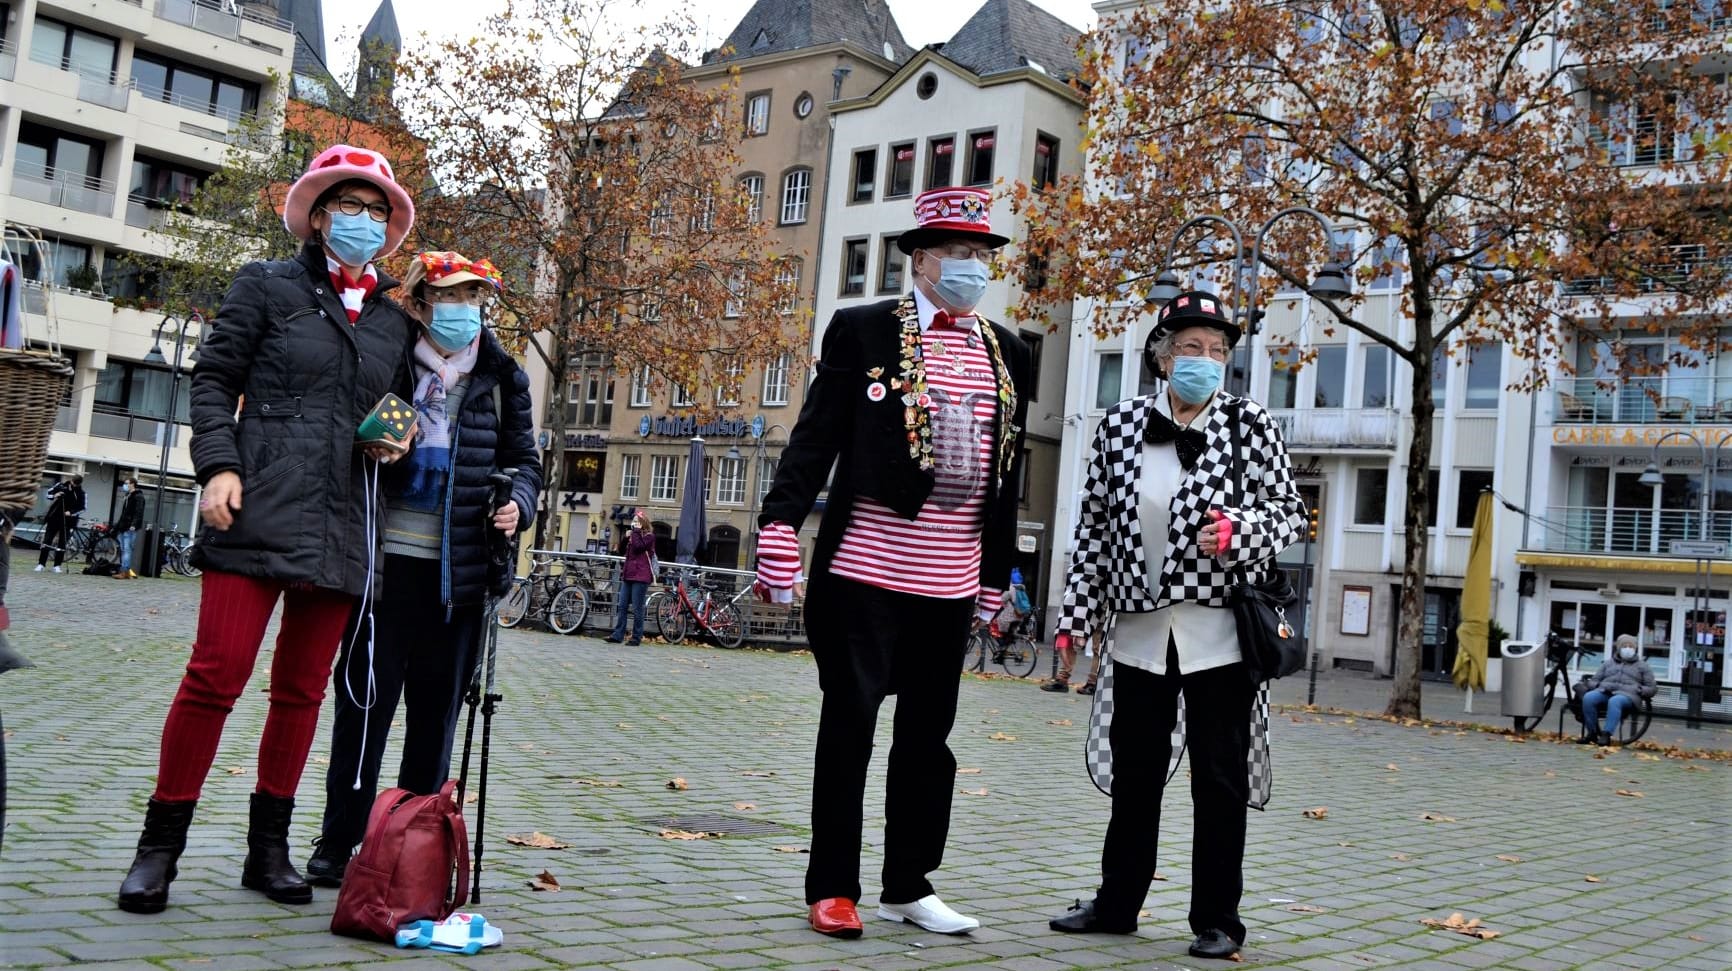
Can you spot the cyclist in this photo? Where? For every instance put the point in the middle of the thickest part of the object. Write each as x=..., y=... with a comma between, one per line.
x=1620, y=686
x=65, y=503
x=473, y=409
x=1014, y=613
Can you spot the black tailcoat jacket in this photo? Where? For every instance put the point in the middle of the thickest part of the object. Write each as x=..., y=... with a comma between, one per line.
x=865, y=437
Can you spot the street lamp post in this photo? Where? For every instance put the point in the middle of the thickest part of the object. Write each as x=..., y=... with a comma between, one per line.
x=1695, y=681
x=761, y=437
x=152, y=546
x=1331, y=281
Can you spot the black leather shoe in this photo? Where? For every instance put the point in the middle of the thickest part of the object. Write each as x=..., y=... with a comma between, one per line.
x=612, y=639
x=1082, y=919
x=267, y=868
x=1605, y=739
x=325, y=867
x=1087, y=689
x=1214, y=944
x=1058, y=686
x=1588, y=738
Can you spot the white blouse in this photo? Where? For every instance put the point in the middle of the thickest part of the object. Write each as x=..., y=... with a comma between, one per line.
x=1205, y=637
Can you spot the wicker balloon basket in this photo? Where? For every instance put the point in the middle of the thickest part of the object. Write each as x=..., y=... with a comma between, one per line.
x=32, y=384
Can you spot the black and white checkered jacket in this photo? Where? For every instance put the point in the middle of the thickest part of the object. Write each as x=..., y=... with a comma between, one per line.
x=1109, y=568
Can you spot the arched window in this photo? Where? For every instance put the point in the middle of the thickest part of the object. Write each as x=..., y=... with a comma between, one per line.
x=796, y=194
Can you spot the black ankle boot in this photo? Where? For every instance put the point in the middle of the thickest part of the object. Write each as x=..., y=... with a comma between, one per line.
x=145, y=889
x=268, y=869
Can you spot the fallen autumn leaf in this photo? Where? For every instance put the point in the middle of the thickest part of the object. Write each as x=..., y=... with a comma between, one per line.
x=545, y=882
x=682, y=834
x=678, y=783
x=538, y=840
x=973, y=792
x=1317, y=812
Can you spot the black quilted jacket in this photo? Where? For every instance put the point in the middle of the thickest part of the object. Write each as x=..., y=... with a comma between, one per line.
x=282, y=350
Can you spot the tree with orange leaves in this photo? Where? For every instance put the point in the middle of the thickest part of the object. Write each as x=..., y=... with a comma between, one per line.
x=1536, y=167
x=569, y=141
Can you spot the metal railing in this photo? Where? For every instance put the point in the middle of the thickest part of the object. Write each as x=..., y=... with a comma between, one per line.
x=66, y=190
x=1659, y=277
x=766, y=624
x=1370, y=428
x=211, y=17
x=203, y=107
x=1664, y=399
x=1648, y=532
x=145, y=213
x=110, y=421
x=8, y=59
x=106, y=88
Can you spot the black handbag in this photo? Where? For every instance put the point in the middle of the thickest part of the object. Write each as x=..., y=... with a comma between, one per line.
x=1266, y=609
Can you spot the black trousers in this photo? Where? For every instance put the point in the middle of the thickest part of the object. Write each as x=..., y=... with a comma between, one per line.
x=56, y=532
x=420, y=657
x=1218, y=739
x=871, y=643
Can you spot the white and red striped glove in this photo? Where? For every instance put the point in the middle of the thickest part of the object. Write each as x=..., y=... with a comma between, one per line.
x=989, y=603
x=778, y=564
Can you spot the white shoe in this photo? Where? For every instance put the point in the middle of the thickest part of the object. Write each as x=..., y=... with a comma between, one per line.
x=40, y=568
x=931, y=913
x=59, y=569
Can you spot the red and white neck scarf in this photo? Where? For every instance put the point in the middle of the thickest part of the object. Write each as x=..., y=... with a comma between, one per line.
x=352, y=292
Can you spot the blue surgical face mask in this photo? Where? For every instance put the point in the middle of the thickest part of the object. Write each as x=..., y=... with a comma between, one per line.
x=1196, y=378
x=354, y=240
x=961, y=283
x=1626, y=654
x=454, y=325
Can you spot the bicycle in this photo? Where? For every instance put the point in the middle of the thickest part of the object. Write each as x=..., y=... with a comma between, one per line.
x=177, y=552
x=1018, y=656
x=722, y=621
x=93, y=541
x=1559, y=652
x=537, y=594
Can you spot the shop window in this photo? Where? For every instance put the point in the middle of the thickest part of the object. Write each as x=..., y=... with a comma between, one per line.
x=583, y=472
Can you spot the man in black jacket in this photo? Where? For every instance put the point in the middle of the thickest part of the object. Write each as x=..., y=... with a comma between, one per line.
x=126, y=527
x=919, y=406
x=65, y=503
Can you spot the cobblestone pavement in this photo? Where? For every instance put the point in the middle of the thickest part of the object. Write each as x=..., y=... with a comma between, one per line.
x=1576, y=857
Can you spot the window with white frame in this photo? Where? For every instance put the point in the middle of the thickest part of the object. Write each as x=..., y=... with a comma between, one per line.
x=703, y=218
x=589, y=395
x=736, y=302
x=650, y=309
x=776, y=381
x=664, y=478
x=752, y=186
x=796, y=192
x=661, y=219
x=730, y=488
x=758, y=113
x=681, y=397
x=766, y=477
x=788, y=284
x=630, y=476
x=732, y=377
x=640, y=387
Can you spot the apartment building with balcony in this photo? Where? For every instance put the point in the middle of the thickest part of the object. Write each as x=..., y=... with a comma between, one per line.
x=628, y=438
x=111, y=113
x=990, y=106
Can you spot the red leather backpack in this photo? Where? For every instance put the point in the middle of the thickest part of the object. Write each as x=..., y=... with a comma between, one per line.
x=413, y=865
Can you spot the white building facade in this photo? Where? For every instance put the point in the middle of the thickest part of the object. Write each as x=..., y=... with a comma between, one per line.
x=936, y=122
x=112, y=112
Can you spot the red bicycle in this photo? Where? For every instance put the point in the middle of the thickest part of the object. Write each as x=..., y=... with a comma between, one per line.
x=720, y=620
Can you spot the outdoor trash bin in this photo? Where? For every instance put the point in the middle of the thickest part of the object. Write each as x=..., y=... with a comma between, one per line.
x=1524, y=674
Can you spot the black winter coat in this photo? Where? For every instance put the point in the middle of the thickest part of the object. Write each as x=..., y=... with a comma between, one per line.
x=132, y=512
x=283, y=340
x=478, y=449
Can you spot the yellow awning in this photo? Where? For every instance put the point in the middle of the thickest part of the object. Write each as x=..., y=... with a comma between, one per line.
x=1622, y=564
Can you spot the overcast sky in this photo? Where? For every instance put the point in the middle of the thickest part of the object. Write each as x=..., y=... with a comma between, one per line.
x=922, y=21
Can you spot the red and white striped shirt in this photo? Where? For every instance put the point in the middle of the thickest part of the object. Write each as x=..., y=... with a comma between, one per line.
x=937, y=554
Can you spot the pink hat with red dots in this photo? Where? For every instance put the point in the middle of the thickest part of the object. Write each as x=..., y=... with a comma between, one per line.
x=341, y=163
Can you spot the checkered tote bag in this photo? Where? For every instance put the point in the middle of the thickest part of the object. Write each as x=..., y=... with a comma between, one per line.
x=1098, y=749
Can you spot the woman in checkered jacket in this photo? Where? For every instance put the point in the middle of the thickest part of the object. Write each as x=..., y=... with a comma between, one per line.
x=1164, y=493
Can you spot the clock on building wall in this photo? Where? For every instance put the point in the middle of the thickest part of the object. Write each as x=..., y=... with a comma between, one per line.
x=803, y=104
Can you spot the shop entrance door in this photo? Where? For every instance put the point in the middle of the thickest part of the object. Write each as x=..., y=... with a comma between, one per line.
x=1442, y=614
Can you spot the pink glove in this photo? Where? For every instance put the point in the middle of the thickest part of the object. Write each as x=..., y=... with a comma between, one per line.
x=778, y=563
x=1061, y=642
x=1223, y=531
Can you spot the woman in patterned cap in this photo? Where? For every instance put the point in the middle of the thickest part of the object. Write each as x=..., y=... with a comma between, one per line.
x=1164, y=491
x=474, y=416
x=310, y=347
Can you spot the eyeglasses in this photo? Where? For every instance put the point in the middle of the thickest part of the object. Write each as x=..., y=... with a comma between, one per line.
x=962, y=251
x=472, y=295
x=351, y=206
x=1198, y=349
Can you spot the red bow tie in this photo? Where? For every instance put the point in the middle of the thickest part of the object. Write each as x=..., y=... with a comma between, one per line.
x=942, y=318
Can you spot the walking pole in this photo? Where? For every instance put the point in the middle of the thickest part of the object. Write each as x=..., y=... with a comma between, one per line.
x=483, y=686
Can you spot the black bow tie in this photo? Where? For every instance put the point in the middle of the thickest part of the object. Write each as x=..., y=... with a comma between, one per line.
x=1188, y=442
